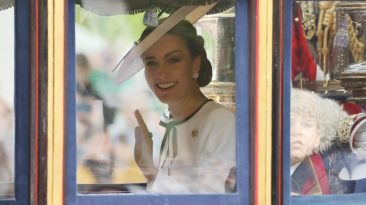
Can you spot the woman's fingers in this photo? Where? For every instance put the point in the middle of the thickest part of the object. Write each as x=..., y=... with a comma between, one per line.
x=137, y=135
x=141, y=122
x=142, y=127
x=143, y=149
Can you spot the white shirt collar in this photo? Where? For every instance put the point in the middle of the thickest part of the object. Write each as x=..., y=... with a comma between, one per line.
x=293, y=168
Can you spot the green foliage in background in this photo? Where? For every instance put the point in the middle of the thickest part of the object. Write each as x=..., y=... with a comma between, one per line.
x=110, y=27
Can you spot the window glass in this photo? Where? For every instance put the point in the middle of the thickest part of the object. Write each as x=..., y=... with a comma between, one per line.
x=6, y=103
x=328, y=153
x=189, y=146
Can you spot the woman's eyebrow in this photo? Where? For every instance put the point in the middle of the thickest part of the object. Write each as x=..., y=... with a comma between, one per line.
x=149, y=58
x=166, y=55
x=172, y=52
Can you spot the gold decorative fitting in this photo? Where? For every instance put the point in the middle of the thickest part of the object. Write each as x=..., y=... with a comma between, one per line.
x=221, y=92
x=308, y=19
x=344, y=128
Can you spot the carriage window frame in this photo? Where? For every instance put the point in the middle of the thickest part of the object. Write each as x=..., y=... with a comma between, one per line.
x=242, y=129
x=358, y=198
x=22, y=101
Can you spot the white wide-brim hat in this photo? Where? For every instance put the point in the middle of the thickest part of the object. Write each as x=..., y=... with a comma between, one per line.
x=131, y=62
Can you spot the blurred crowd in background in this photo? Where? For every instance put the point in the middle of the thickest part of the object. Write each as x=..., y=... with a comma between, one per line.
x=105, y=125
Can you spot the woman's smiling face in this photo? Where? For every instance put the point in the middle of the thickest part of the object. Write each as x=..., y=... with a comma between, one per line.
x=169, y=68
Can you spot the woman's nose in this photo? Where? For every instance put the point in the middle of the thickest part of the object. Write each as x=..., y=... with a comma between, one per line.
x=162, y=70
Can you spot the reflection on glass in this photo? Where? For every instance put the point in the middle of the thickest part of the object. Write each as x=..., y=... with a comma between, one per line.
x=328, y=152
x=6, y=103
x=178, y=141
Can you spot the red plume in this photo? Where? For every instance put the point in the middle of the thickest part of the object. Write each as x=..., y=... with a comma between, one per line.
x=302, y=59
x=351, y=108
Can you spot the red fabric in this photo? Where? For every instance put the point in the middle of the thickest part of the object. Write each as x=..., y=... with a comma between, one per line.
x=351, y=108
x=320, y=172
x=308, y=185
x=302, y=59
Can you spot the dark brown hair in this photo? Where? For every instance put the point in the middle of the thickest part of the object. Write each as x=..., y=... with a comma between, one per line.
x=188, y=33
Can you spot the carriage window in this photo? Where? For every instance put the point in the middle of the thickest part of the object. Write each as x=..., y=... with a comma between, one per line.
x=328, y=152
x=185, y=140
x=6, y=103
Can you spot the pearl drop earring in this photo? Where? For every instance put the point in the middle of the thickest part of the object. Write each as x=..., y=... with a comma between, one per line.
x=196, y=75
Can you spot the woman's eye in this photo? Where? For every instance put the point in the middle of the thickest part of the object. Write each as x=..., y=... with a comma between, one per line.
x=150, y=63
x=174, y=60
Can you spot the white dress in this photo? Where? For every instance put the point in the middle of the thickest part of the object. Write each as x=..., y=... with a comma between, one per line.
x=197, y=153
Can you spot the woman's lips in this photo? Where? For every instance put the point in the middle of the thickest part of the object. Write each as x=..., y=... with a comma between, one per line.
x=166, y=85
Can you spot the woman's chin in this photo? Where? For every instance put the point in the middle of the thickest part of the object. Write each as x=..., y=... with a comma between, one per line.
x=168, y=97
x=164, y=99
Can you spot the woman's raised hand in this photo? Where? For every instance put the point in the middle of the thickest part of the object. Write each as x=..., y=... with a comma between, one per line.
x=144, y=149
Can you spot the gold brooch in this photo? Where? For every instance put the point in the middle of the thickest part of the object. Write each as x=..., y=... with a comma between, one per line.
x=194, y=133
